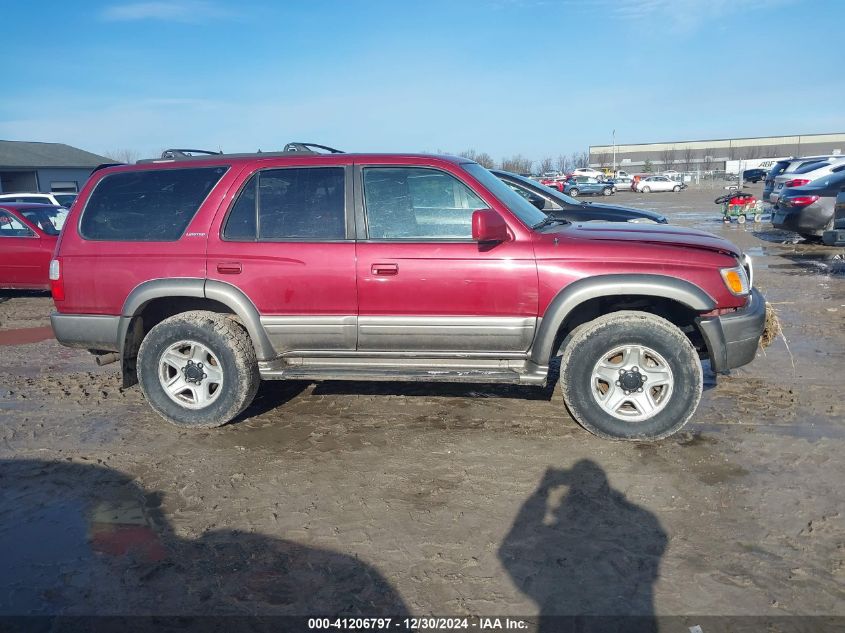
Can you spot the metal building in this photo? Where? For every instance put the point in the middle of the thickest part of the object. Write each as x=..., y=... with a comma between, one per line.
x=31, y=167
x=712, y=154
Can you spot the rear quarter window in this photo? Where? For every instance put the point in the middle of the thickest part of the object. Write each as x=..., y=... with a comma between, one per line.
x=153, y=205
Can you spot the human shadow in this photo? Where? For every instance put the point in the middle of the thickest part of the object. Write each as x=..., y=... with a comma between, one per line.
x=589, y=553
x=83, y=540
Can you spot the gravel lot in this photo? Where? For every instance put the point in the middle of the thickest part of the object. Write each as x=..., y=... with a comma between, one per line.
x=432, y=499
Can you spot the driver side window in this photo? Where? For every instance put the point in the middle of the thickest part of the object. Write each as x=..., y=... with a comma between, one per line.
x=406, y=203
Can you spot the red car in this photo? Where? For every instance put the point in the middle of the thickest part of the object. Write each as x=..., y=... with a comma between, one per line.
x=205, y=275
x=28, y=234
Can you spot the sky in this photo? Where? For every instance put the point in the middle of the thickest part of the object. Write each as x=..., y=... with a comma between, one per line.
x=532, y=77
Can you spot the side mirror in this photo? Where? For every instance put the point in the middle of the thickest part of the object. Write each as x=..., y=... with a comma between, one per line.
x=489, y=226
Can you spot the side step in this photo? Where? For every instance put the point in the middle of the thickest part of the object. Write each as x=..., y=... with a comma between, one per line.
x=415, y=372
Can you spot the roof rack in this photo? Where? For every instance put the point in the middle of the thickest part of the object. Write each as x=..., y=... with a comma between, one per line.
x=307, y=148
x=186, y=153
x=290, y=148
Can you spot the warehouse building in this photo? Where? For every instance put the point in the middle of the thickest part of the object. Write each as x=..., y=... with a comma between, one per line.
x=713, y=154
x=30, y=167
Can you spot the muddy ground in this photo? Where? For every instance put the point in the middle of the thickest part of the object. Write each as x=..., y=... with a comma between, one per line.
x=432, y=499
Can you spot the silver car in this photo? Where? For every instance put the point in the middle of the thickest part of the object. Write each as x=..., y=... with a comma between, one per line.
x=804, y=175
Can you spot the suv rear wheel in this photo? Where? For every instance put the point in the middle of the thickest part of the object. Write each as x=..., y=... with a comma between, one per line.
x=630, y=376
x=198, y=369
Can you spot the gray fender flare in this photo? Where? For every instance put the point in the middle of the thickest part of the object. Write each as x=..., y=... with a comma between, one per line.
x=224, y=293
x=578, y=292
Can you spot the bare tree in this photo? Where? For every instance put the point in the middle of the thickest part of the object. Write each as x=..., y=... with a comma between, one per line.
x=123, y=155
x=482, y=158
x=772, y=151
x=707, y=158
x=518, y=164
x=752, y=152
x=667, y=157
x=562, y=163
x=689, y=158
x=579, y=159
x=604, y=159
x=546, y=164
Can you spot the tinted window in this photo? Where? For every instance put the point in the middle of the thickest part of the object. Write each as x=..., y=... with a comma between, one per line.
x=412, y=202
x=296, y=203
x=778, y=168
x=65, y=199
x=147, y=206
x=811, y=167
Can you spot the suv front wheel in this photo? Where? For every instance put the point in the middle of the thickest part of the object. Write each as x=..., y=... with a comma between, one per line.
x=630, y=376
x=198, y=369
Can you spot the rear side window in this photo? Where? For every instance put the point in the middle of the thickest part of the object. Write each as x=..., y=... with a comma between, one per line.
x=778, y=168
x=147, y=206
x=301, y=204
x=808, y=167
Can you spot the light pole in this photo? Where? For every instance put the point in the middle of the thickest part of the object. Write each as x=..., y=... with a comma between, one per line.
x=613, y=137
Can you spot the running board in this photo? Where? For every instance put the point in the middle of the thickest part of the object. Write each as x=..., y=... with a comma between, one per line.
x=405, y=370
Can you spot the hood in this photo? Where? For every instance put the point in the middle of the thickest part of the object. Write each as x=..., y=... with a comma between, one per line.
x=648, y=233
x=640, y=213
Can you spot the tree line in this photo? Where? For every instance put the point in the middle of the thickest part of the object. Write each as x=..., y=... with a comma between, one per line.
x=520, y=164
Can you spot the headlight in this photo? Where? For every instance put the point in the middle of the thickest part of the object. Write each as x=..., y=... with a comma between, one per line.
x=736, y=280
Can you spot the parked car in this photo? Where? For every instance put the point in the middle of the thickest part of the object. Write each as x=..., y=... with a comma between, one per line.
x=579, y=185
x=622, y=182
x=671, y=174
x=226, y=270
x=754, y=175
x=836, y=235
x=560, y=206
x=808, y=209
x=651, y=184
x=28, y=234
x=589, y=172
x=804, y=175
x=55, y=198
x=784, y=167
x=621, y=174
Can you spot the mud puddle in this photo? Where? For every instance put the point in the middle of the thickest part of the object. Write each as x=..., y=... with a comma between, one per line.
x=827, y=264
x=25, y=336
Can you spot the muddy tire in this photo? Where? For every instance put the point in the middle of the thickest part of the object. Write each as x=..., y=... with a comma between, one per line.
x=630, y=376
x=198, y=369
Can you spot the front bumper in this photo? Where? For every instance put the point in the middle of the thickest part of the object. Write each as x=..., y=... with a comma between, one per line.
x=732, y=339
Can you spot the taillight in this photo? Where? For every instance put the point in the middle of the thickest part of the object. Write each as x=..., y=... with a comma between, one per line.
x=796, y=182
x=57, y=285
x=800, y=201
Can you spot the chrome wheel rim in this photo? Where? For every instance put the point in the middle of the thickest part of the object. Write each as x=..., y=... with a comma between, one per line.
x=632, y=383
x=190, y=374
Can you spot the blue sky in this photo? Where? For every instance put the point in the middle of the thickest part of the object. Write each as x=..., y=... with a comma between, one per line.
x=536, y=77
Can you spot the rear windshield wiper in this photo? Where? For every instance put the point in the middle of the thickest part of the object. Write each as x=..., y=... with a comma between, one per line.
x=547, y=221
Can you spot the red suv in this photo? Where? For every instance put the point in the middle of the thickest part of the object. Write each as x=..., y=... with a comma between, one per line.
x=205, y=275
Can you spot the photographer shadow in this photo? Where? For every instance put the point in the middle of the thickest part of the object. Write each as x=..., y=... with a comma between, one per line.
x=578, y=548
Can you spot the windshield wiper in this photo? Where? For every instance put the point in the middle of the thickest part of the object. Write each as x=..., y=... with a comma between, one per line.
x=547, y=221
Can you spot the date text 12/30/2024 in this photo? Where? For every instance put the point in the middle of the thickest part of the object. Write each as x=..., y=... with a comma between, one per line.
x=417, y=624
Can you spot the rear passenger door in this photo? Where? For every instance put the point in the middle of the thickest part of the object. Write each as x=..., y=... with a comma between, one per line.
x=285, y=241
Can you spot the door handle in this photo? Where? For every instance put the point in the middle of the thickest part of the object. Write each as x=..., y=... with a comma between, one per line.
x=229, y=268
x=385, y=269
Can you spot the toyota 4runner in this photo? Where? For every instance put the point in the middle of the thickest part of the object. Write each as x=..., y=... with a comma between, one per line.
x=203, y=275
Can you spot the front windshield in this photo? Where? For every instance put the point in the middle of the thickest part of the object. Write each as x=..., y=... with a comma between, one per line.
x=519, y=206
x=48, y=219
